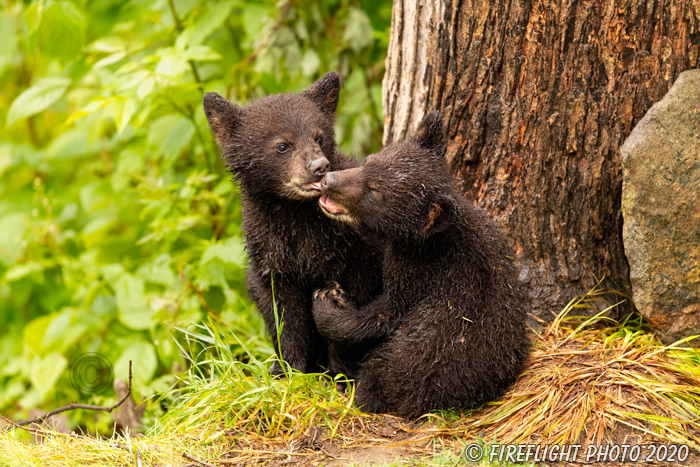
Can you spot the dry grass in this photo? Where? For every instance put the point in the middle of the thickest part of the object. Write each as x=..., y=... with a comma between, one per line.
x=590, y=376
x=588, y=379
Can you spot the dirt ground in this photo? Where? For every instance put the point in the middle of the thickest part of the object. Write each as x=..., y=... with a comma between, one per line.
x=393, y=440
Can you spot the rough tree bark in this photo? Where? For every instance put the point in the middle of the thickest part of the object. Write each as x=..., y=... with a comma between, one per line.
x=538, y=96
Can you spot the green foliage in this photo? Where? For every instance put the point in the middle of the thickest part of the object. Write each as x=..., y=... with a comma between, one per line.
x=119, y=224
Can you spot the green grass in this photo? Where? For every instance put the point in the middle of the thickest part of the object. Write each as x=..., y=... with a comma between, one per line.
x=243, y=395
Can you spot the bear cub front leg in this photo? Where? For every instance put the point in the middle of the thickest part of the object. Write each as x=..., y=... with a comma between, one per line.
x=339, y=320
x=330, y=308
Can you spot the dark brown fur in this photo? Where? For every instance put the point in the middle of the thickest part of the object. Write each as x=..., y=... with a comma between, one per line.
x=450, y=326
x=288, y=239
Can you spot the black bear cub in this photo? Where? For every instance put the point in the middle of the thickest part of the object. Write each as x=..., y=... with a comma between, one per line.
x=450, y=325
x=278, y=149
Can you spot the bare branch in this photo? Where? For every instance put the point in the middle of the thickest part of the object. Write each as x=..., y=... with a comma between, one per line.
x=197, y=461
x=73, y=406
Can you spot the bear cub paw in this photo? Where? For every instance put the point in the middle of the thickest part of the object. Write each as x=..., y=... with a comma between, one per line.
x=330, y=307
x=334, y=293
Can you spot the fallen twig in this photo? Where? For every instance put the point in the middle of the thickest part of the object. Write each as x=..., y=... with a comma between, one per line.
x=73, y=406
x=197, y=461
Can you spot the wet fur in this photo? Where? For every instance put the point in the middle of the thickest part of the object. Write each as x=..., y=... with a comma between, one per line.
x=289, y=241
x=450, y=328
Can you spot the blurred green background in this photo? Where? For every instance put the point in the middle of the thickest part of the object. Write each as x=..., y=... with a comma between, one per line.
x=118, y=223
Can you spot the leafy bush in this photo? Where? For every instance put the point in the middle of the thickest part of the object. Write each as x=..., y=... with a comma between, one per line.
x=119, y=223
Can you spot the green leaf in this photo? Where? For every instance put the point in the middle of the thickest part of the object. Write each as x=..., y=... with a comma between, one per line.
x=30, y=398
x=134, y=80
x=57, y=328
x=104, y=306
x=32, y=15
x=171, y=66
x=310, y=63
x=92, y=197
x=143, y=362
x=68, y=145
x=146, y=87
x=128, y=109
x=74, y=333
x=109, y=60
x=132, y=302
x=112, y=272
x=108, y=44
x=19, y=271
x=360, y=134
x=170, y=135
x=14, y=227
x=96, y=230
x=212, y=19
x=200, y=53
x=33, y=332
x=37, y=98
x=253, y=17
x=159, y=271
x=358, y=32
x=6, y=157
x=62, y=31
x=46, y=371
x=300, y=29
x=230, y=252
x=11, y=391
x=8, y=41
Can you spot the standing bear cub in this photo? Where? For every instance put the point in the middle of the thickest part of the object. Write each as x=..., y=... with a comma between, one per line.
x=450, y=325
x=278, y=149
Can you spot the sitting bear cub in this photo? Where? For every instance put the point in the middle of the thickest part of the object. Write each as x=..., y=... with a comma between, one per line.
x=278, y=148
x=449, y=329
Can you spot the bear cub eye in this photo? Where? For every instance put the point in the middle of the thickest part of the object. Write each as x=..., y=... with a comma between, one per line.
x=319, y=140
x=282, y=148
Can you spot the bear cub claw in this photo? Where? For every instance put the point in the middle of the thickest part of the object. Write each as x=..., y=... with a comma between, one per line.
x=328, y=309
x=335, y=293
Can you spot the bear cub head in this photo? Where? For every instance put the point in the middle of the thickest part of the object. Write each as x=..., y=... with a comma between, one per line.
x=282, y=144
x=404, y=190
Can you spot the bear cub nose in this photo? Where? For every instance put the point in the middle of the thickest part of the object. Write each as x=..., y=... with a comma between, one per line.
x=329, y=181
x=319, y=166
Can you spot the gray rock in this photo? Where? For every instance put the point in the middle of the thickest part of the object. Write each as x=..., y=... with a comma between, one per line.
x=661, y=211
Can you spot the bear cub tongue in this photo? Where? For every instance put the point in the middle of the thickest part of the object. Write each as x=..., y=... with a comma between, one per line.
x=329, y=205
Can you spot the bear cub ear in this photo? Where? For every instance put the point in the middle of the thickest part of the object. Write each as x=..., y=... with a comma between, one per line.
x=430, y=133
x=325, y=93
x=223, y=116
x=440, y=215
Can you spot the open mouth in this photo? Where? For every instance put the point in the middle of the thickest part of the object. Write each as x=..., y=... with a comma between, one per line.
x=315, y=186
x=304, y=191
x=329, y=206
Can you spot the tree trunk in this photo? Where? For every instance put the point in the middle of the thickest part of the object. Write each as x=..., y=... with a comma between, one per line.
x=537, y=97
